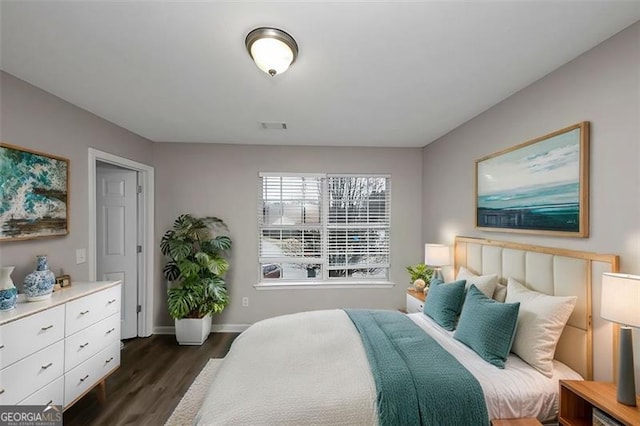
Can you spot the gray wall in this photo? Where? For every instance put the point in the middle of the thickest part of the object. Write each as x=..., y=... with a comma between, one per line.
x=601, y=86
x=35, y=119
x=222, y=180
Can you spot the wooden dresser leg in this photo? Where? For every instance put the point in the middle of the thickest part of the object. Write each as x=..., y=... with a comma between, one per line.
x=102, y=392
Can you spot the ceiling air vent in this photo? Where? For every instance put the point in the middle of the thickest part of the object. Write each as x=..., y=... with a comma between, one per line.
x=273, y=125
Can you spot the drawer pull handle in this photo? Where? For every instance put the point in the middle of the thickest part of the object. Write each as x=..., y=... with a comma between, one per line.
x=84, y=378
x=111, y=301
x=84, y=346
x=1, y=391
x=111, y=331
x=47, y=327
x=50, y=402
x=1, y=346
x=109, y=360
x=84, y=312
x=44, y=367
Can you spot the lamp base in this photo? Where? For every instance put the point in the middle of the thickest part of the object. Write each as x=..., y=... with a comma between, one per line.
x=626, y=375
x=437, y=274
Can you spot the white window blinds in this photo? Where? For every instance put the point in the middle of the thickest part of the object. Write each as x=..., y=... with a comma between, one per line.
x=324, y=227
x=358, y=227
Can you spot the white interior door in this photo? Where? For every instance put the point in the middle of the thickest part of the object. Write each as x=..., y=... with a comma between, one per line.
x=117, y=230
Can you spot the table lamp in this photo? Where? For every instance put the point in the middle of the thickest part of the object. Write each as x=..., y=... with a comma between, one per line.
x=621, y=304
x=436, y=256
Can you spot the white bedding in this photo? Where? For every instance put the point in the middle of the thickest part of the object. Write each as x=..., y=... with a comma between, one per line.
x=518, y=390
x=301, y=369
x=311, y=368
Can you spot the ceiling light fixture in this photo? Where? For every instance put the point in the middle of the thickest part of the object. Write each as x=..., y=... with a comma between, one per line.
x=272, y=50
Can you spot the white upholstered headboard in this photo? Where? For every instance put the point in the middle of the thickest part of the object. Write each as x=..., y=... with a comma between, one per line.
x=586, y=345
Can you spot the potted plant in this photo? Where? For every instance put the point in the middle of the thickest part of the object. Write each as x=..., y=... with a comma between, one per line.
x=197, y=249
x=420, y=276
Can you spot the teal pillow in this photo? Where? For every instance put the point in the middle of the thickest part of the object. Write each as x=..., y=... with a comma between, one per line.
x=444, y=301
x=487, y=326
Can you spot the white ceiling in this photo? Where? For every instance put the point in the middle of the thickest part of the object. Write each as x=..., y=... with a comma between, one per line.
x=368, y=74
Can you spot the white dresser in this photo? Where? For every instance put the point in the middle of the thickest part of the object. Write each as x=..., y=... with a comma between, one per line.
x=56, y=350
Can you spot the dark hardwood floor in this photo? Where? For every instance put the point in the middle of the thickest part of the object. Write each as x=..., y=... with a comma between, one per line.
x=154, y=374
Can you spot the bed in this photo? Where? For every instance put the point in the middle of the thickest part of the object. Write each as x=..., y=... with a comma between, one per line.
x=324, y=367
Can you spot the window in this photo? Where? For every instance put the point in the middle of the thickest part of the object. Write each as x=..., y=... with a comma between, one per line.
x=324, y=228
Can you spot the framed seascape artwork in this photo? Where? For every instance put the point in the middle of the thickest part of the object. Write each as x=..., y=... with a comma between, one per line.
x=34, y=189
x=537, y=187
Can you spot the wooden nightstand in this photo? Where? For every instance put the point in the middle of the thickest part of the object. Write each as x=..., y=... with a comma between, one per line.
x=578, y=398
x=415, y=301
x=516, y=422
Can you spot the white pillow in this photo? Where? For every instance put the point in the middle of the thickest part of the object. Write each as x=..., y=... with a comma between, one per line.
x=485, y=283
x=541, y=320
x=500, y=293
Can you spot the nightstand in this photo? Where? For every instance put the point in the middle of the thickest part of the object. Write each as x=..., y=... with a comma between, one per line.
x=578, y=398
x=415, y=301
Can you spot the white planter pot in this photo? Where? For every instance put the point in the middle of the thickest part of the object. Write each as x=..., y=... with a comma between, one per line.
x=193, y=331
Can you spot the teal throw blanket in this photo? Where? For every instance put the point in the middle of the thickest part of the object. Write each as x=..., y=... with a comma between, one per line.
x=417, y=381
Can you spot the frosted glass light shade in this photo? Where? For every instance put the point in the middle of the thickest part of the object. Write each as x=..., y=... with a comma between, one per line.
x=271, y=55
x=436, y=255
x=272, y=50
x=620, y=300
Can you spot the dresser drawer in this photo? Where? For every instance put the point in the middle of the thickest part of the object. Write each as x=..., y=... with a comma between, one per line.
x=414, y=305
x=84, y=344
x=83, y=312
x=86, y=375
x=53, y=393
x=31, y=374
x=28, y=335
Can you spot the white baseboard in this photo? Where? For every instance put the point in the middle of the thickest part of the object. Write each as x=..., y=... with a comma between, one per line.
x=215, y=328
x=164, y=330
x=229, y=328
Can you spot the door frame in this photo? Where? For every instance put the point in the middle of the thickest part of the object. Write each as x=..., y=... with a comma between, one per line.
x=145, y=228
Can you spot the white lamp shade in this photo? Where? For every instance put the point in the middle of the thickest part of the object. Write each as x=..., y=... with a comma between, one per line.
x=621, y=299
x=271, y=54
x=436, y=255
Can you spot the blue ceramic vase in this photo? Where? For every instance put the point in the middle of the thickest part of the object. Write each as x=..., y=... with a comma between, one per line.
x=38, y=285
x=8, y=292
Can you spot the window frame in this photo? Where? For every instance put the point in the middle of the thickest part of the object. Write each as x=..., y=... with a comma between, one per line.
x=323, y=280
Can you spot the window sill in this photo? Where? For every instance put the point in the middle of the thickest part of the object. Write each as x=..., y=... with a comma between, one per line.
x=294, y=285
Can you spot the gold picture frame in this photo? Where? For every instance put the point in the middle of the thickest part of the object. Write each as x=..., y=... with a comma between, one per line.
x=36, y=194
x=537, y=187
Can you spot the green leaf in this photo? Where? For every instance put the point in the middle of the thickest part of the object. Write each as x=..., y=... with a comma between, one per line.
x=171, y=271
x=218, y=265
x=164, y=242
x=179, y=302
x=188, y=268
x=221, y=242
x=203, y=259
x=179, y=249
x=183, y=223
x=200, y=233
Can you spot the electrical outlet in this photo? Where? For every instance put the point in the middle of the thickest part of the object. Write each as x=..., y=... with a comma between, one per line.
x=81, y=256
x=245, y=302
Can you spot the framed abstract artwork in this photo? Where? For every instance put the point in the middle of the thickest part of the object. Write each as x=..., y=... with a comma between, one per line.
x=538, y=187
x=34, y=194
